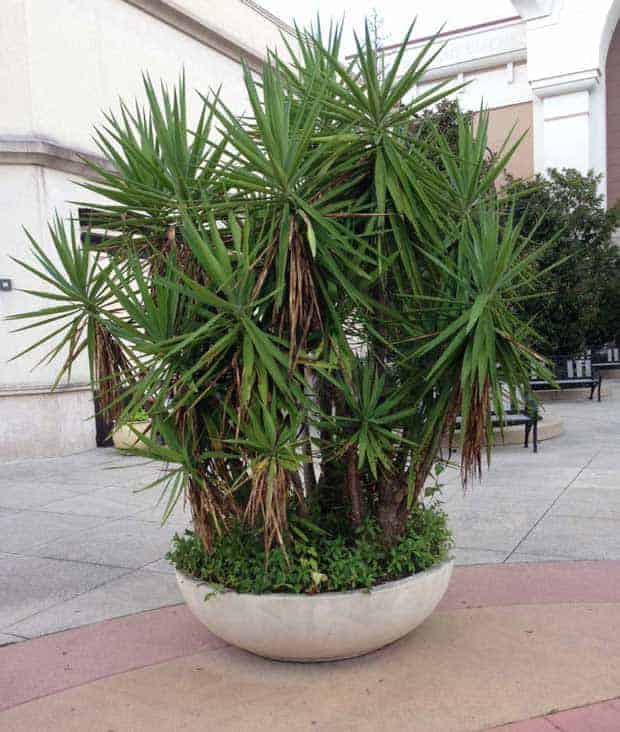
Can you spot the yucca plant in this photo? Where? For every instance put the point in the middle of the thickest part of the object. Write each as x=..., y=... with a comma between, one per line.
x=301, y=299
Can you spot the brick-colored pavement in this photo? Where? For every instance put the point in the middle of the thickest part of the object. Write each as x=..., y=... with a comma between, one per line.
x=535, y=646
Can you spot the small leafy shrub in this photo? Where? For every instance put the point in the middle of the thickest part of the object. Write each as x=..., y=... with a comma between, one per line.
x=138, y=415
x=316, y=560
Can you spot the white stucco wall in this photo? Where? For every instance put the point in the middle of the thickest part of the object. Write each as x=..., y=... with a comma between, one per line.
x=489, y=60
x=61, y=64
x=76, y=58
x=29, y=194
x=568, y=38
x=247, y=22
x=500, y=86
x=40, y=424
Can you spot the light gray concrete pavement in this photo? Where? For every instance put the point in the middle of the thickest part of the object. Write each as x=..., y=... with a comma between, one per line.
x=562, y=503
x=79, y=545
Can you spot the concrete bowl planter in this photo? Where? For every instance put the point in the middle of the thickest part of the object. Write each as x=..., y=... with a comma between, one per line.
x=325, y=627
x=124, y=438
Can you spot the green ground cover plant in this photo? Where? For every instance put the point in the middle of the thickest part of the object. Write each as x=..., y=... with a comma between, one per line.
x=316, y=560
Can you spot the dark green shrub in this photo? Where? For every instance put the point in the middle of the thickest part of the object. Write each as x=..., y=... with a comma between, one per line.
x=581, y=305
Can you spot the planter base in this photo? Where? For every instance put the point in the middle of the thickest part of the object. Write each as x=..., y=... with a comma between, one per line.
x=331, y=626
x=124, y=438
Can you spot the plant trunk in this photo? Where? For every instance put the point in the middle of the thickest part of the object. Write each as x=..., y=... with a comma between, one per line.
x=331, y=472
x=104, y=423
x=200, y=515
x=392, y=513
x=309, y=475
x=353, y=487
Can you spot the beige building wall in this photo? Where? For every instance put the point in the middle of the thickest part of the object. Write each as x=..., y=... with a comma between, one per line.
x=508, y=124
x=66, y=62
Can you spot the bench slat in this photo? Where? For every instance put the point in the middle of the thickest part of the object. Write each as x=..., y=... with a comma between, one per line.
x=565, y=381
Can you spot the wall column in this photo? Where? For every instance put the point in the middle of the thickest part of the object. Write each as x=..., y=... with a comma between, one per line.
x=564, y=122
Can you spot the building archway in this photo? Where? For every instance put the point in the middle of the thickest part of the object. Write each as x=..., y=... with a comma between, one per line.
x=610, y=61
x=612, y=91
x=608, y=31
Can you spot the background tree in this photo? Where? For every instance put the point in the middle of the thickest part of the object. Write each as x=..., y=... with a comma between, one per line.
x=442, y=118
x=581, y=304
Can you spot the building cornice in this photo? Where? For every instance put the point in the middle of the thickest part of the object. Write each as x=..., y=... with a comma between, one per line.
x=566, y=84
x=476, y=48
x=48, y=154
x=450, y=34
x=186, y=22
x=21, y=390
x=440, y=73
x=534, y=9
x=269, y=16
x=33, y=150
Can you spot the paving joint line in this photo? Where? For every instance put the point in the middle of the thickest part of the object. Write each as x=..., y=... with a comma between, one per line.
x=553, y=503
x=61, y=602
x=105, y=521
x=553, y=724
x=129, y=571
x=14, y=635
x=43, y=509
x=539, y=557
x=74, y=561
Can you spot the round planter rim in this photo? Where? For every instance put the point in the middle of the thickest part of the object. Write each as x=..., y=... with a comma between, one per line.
x=383, y=587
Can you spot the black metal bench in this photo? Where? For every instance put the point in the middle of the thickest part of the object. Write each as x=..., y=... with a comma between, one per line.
x=571, y=372
x=529, y=417
x=605, y=359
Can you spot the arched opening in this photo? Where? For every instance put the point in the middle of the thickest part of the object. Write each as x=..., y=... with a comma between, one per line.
x=612, y=79
x=609, y=50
